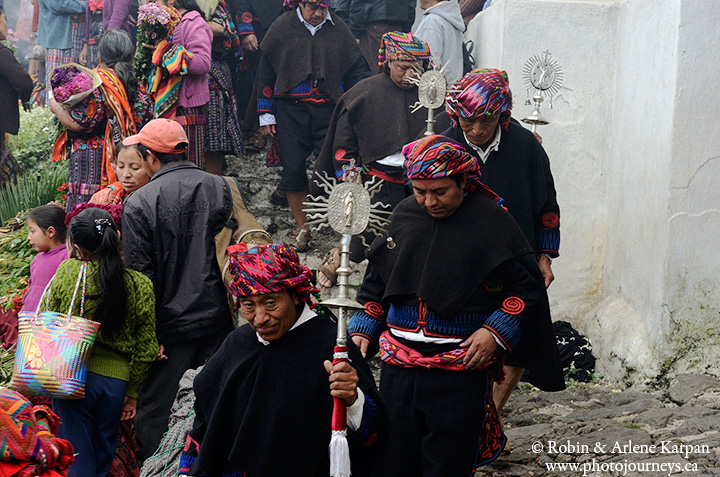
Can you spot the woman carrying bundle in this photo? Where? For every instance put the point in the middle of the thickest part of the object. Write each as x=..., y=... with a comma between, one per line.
x=113, y=111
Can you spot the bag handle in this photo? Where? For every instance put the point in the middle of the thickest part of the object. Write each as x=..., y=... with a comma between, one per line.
x=45, y=297
x=82, y=275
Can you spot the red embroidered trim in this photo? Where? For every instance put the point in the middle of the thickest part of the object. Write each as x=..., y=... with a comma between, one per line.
x=512, y=305
x=267, y=92
x=550, y=220
x=340, y=154
x=374, y=309
x=496, y=334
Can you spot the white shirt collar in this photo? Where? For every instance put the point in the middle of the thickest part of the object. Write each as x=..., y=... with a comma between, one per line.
x=312, y=28
x=494, y=146
x=306, y=315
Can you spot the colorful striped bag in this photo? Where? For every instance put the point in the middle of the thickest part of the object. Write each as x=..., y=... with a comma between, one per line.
x=53, y=349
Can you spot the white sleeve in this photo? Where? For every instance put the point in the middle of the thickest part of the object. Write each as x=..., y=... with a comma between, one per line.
x=267, y=119
x=355, y=412
x=497, y=340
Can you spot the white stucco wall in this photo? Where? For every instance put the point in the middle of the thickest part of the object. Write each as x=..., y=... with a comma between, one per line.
x=692, y=288
x=635, y=153
x=639, y=172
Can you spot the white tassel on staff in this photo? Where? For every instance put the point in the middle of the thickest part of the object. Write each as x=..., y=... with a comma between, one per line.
x=339, y=455
x=339, y=448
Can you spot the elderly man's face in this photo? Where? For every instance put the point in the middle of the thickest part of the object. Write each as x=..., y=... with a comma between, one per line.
x=271, y=315
x=480, y=131
x=401, y=71
x=313, y=13
x=439, y=197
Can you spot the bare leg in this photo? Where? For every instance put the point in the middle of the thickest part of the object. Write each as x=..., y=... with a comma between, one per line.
x=502, y=392
x=33, y=67
x=214, y=162
x=295, y=199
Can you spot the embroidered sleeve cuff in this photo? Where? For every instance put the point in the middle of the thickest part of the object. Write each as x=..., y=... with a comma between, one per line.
x=499, y=342
x=245, y=29
x=365, y=325
x=188, y=456
x=548, y=242
x=266, y=106
x=505, y=327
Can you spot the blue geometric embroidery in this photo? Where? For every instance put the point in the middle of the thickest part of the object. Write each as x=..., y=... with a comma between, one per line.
x=547, y=241
x=507, y=326
x=265, y=105
x=364, y=324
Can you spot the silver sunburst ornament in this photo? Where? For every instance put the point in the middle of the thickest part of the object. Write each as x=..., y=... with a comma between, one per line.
x=348, y=210
x=348, y=207
x=543, y=76
x=432, y=89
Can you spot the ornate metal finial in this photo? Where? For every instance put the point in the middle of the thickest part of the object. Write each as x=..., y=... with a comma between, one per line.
x=544, y=75
x=432, y=89
x=347, y=210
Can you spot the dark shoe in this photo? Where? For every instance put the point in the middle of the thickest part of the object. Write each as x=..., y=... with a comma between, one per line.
x=278, y=198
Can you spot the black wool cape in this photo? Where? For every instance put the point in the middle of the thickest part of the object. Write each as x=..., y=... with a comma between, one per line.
x=266, y=409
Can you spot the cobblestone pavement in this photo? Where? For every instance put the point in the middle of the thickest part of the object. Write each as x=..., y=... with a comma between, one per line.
x=592, y=429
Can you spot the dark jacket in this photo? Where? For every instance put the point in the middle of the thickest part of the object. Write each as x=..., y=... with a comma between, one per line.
x=358, y=13
x=14, y=83
x=266, y=11
x=168, y=228
x=519, y=172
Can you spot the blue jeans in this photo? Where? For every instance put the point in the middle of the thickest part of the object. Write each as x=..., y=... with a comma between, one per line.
x=92, y=424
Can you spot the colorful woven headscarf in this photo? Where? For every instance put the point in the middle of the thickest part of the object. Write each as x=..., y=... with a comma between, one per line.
x=435, y=157
x=267, y=269
x=396, y=45
x=481, y=92
x=290, y=4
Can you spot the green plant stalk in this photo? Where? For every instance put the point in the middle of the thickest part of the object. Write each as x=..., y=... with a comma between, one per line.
x=7, y=360
x=15, y=257
x=33, y=189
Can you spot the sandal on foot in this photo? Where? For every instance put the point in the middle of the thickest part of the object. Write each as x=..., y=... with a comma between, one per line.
x=301, y=242
x=330, y=265
x=256, y=142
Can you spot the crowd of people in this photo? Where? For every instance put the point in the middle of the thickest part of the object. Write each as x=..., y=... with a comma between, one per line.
x=454, y=295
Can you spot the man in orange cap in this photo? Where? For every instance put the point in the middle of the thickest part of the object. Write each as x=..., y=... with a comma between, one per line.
x=168, y=231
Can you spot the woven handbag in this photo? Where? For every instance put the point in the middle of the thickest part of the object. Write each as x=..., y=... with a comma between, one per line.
x=53, y=349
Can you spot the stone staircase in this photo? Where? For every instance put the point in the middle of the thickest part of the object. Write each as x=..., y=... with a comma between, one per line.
x=258, y=182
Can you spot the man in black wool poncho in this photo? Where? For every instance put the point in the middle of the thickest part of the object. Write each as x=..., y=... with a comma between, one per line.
x=263, y=402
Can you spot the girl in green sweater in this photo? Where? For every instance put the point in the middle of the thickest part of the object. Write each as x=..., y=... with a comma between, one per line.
x=123, y=302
